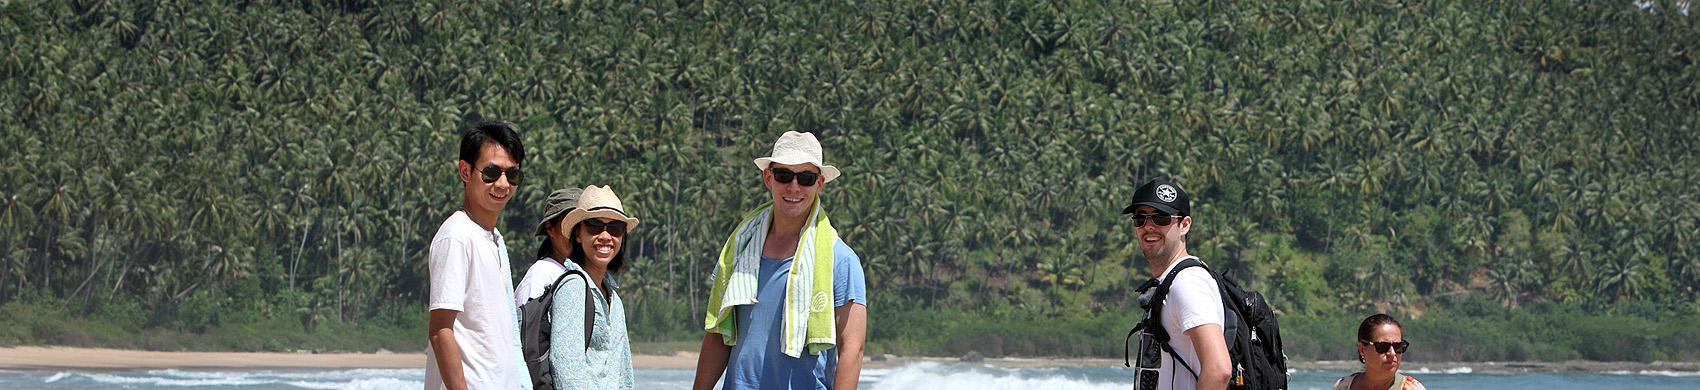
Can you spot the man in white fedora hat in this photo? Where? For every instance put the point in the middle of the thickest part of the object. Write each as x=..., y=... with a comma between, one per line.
x=788, y=308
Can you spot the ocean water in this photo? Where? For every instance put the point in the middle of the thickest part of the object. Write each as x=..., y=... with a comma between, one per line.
x=926, y=375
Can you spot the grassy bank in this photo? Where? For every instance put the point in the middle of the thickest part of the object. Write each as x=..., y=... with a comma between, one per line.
x=46, y=322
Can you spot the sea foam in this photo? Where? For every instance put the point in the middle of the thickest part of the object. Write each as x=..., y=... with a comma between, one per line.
x=358, y=379
x=57, y=377
x=937, y=376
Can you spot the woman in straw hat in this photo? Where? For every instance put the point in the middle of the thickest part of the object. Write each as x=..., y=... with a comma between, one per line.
x=597, y=232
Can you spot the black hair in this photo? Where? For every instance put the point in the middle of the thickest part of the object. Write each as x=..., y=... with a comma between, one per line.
x=579, y=256
x=543, y=249
x=473, y=138
x=547, y=246
x=1376, y=321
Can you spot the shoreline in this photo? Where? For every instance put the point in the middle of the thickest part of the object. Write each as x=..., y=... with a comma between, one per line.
x=72, y=358
x=1573, y=366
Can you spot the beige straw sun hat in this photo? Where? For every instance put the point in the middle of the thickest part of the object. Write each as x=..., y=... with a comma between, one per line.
x=598, y=202
x=795, y=148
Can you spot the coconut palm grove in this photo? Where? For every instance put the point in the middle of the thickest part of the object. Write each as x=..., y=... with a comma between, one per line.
x=1514, y=180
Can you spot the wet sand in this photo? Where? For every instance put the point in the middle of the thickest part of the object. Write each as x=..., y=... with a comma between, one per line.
x=38, y=358
x=43, y=358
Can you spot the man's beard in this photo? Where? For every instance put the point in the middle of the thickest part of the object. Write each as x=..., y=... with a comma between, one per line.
x=1160, y=253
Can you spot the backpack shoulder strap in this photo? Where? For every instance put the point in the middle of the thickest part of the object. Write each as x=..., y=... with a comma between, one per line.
x=589, y=312
x=1158, y=298
x=589, y=301
x=589, y=307
x=1153, y=305
x=1157, y=302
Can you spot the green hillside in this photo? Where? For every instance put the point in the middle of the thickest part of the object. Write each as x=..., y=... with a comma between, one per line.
x=1515, y=177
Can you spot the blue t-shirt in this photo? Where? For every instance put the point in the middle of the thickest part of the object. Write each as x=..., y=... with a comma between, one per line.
x=757, y=361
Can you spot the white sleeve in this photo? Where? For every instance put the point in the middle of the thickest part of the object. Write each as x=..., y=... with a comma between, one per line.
x=1196, y=298
x=449, y=263
x=522, y=292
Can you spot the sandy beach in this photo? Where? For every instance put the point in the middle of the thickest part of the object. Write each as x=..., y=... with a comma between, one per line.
x=41, y=358
x=115, y=359
x=38, y=358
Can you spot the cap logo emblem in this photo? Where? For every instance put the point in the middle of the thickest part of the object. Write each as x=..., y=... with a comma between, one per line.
x=1166, y=193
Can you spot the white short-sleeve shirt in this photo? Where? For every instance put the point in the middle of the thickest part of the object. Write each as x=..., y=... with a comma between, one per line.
x=1193, y=301
x=469, y=274
x=536, y=279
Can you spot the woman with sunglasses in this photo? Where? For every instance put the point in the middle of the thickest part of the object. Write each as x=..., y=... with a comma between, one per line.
x=1381, y=347
x=599, y=226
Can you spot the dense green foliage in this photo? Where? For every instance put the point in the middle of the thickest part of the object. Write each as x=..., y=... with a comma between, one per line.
x=198, y=167
x=1480, y=330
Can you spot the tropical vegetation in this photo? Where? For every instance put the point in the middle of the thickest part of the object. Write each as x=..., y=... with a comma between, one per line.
x=270, y=171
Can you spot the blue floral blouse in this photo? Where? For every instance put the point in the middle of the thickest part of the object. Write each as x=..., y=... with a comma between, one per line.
x=608, y=362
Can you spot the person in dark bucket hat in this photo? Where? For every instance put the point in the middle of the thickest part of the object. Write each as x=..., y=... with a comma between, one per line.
x=560, y=202
x=552, y=252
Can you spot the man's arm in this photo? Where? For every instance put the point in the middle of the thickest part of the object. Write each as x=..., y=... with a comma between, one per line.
x=443, y=344
x=711, y=362
x=852, y=335
x=1214, y=364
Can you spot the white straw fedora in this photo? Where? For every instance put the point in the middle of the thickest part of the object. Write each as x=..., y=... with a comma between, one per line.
x=795, y=148
x=598, y=202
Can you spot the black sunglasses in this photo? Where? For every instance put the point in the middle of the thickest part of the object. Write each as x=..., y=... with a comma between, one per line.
x=1382, y=346
x=596, y=226
x=1159, y=219
x=491, y=173
x=804, y=178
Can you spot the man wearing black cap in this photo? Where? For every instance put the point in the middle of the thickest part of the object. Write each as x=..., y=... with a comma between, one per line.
x=1192, y=313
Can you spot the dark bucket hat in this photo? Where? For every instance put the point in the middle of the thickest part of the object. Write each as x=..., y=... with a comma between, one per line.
x=559, y=203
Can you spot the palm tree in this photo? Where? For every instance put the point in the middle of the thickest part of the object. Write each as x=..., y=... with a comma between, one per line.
x=1381, y=279
x=1508, y=281
x=228, y=264
x=1620, y=278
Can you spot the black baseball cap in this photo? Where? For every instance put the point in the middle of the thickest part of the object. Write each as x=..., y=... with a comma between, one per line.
x=1161, y=195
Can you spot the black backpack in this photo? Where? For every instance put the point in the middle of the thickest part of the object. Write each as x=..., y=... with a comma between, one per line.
x=1253, y=337
x=534, y=330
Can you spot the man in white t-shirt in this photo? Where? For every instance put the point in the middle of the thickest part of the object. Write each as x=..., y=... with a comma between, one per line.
x=1192, y=313
x=474, y=328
